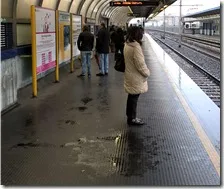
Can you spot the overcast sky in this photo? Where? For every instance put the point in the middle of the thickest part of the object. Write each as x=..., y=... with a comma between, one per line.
x=188, y=7
x=191, y=6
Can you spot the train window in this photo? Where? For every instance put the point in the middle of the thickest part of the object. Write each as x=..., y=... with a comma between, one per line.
x=187, y=25
x=6, y=36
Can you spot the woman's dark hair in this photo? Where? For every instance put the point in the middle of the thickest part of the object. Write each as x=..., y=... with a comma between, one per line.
x=142, y=29
x=85, y=28
x=119, y=31
x=134, y=33
x=103, y=25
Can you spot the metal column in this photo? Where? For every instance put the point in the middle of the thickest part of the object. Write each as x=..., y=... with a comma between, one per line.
x=164, y=23
x=180, y=23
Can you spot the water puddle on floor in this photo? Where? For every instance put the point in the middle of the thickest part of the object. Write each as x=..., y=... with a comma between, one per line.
x=86, y=100
x=33, y=145
x=82, y=108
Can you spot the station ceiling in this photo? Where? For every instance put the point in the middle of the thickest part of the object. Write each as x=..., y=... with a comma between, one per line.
x=97, y=10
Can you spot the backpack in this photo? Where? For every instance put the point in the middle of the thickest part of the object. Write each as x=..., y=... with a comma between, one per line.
x=119, y=62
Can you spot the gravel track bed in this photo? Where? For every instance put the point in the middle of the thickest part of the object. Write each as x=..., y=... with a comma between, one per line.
x=209, y=64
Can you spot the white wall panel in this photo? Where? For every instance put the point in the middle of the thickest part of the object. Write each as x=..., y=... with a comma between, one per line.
x=99, y=8
x=85, y=7
x=23, y=8
x=64, y=5
x=6, y=8
x=51, y=4
x=92, y=6
x=75, y=6
x=23, y=37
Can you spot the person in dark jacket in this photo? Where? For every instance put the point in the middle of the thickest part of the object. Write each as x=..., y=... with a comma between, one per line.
x=102, y=47
x=112, y=36
x=119, y=42
x=85, y=45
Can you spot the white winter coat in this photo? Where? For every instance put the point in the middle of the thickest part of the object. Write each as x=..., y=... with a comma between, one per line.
x=136, y=70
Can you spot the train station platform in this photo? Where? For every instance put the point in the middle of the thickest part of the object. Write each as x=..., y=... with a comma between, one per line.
x=75, y=133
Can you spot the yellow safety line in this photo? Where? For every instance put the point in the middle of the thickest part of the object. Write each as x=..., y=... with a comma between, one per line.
x=34, y=59
x=214, y=156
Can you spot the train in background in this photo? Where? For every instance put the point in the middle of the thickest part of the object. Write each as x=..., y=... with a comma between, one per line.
x=192, y=25
x=208, y=27
x=206, y=22
x=202, y=27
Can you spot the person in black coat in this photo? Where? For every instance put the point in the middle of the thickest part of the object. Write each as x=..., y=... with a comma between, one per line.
x=102, y=47
x=119, y=42
x=112, y=38
x=85, y=45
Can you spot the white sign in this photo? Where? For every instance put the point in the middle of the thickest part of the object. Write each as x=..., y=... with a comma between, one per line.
x=45, y=39
x=92, y=29
x=64, y=37
x=76, y=30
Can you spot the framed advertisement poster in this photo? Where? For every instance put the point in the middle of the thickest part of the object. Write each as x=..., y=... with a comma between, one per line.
x=76, y=30
x=45, y=39
x=43, y=42
x=64, y=37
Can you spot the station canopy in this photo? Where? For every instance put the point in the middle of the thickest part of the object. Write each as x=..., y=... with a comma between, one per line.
x=97, y=10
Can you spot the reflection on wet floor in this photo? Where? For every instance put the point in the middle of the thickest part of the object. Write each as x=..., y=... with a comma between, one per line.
x=82, y=108
x=33, y=145
x=86, y=100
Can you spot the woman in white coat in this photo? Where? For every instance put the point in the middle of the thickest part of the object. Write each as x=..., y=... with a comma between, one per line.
x=136, y=73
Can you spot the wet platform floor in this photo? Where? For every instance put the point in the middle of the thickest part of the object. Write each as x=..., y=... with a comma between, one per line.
x=75, y=134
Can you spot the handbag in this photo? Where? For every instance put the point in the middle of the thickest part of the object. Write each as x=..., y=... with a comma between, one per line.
x=119, y=63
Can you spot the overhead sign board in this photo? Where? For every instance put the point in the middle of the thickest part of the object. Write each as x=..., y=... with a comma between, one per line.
x=90, y=20
x=134, y=3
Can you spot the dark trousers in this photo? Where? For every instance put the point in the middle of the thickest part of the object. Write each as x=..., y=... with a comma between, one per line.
x=132, y=106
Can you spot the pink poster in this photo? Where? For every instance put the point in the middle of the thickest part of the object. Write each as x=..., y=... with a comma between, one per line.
x=45, y=39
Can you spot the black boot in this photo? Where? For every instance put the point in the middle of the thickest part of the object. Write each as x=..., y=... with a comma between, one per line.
x=99, y=74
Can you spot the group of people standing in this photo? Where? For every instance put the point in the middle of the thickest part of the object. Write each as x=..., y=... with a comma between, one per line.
x=86, y=44
x=129, y=45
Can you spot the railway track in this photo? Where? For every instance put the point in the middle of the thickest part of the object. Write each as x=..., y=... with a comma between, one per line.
x=203, y=78
x=212, y=55
x=206, y=46
x=215, y=44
